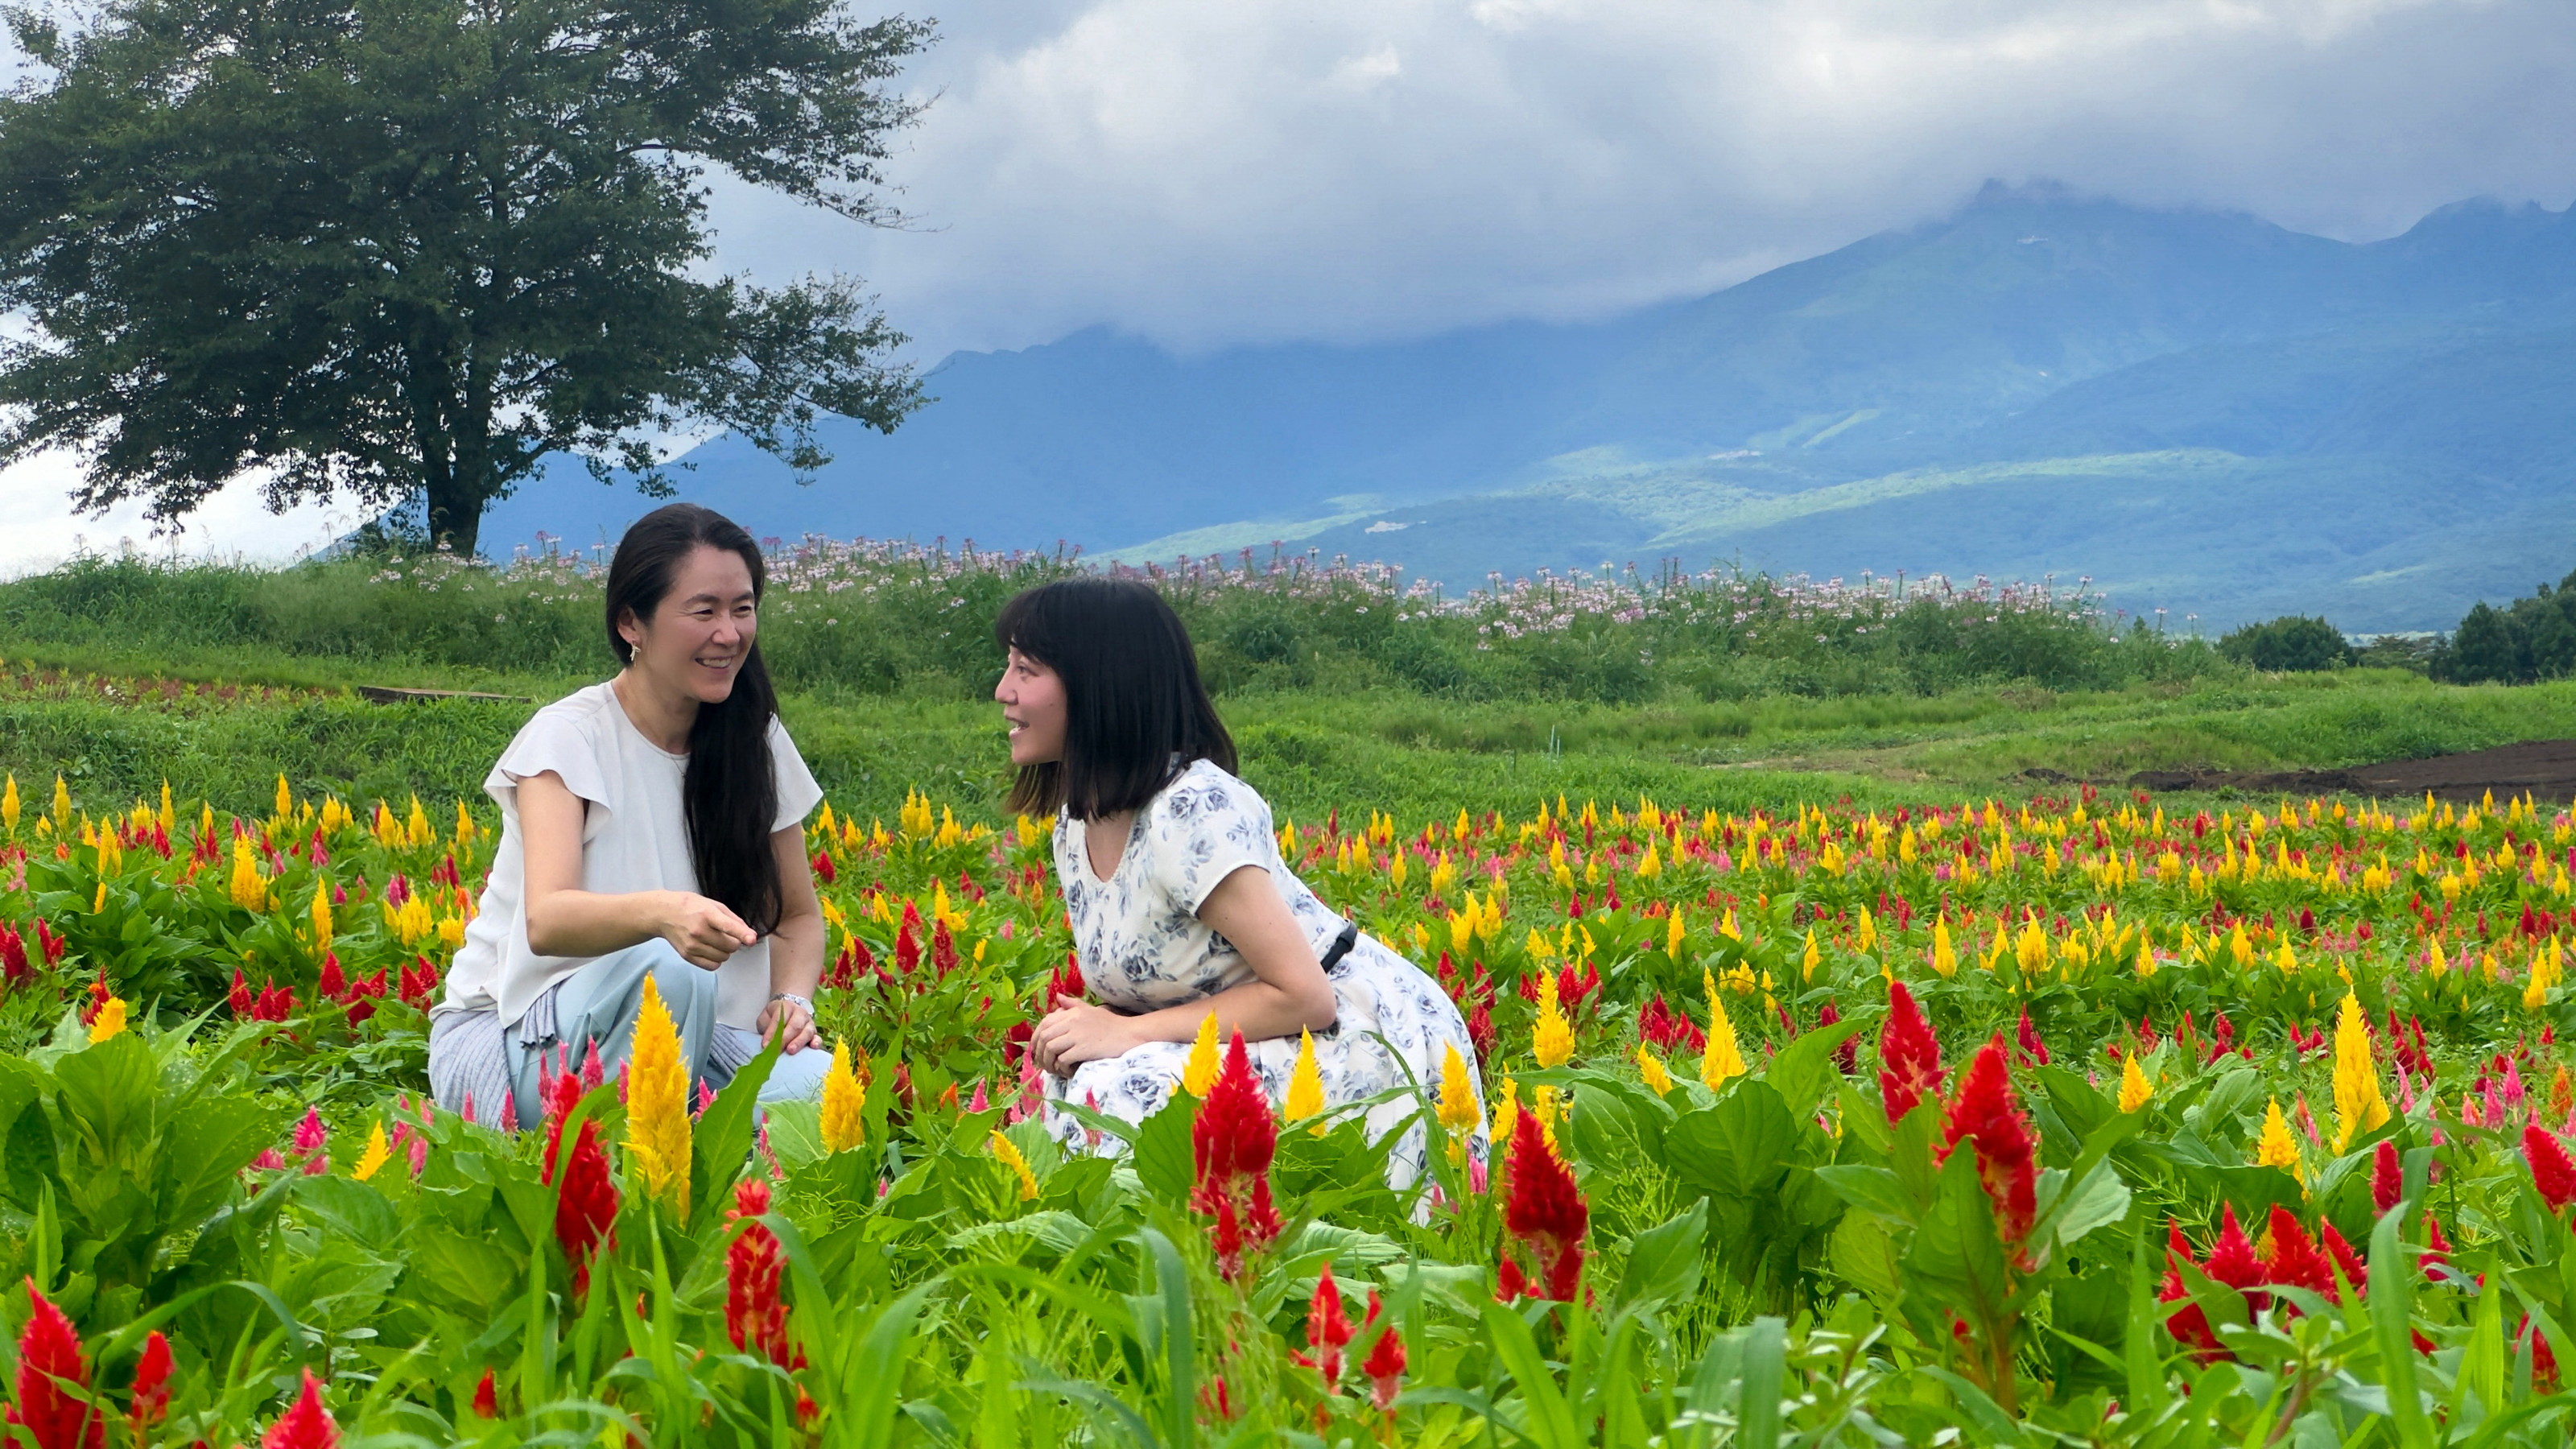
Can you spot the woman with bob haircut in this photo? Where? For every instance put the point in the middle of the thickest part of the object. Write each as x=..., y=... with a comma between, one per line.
x=1180, y=904
x=651, y=829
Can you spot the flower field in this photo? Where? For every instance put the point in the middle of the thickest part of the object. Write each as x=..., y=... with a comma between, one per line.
x=2079, y=1120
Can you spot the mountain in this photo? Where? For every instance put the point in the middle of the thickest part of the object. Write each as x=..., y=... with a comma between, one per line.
x=2201, y=411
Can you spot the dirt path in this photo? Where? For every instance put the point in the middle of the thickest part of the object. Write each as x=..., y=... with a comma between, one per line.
x=2543, y=769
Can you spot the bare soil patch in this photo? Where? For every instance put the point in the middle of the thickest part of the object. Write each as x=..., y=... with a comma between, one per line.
x=2543, y=769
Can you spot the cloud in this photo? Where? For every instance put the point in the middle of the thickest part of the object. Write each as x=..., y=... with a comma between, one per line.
x=1213, y=173
x=39, y=530
x=1349, y=169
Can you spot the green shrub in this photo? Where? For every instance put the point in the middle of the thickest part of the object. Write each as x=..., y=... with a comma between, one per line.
x=2292, y=643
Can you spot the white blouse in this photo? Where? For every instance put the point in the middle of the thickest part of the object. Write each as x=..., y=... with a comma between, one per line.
x=634, y=837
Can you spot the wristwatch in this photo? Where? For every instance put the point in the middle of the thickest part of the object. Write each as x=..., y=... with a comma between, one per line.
x=806, y=1002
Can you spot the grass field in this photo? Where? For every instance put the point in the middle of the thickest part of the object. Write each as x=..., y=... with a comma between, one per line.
x=1313, y=752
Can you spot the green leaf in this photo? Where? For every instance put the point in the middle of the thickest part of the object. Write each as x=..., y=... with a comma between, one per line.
x=1871, y=1189
x=1805, y=1073
x=2482, y=1362
x=721, y=1141
x=1547, y=1419
x=1765, y=1367
x=1164, y=1160
x=1665, y=1262
x=2392, y=1320
x=351, y=1209
x=1180, y=1343
x=1740, y=1145
x=2099, y=1199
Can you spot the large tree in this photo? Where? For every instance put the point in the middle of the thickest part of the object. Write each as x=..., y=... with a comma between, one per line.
x=386, y=249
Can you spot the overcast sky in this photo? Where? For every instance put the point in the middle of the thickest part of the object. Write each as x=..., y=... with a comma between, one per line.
x=1210, y=172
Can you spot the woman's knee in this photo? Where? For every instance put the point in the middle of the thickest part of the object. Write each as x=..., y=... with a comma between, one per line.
x=797, y=1076
x=679, y=983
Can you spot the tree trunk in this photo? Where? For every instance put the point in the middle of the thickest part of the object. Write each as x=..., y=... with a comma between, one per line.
x=455, y=512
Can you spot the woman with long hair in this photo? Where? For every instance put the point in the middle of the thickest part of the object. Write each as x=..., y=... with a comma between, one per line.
x=651, y=829
x=1180, y=904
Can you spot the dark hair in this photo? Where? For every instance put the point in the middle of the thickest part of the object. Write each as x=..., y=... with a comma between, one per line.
x=1135, y=712
x=729, y=794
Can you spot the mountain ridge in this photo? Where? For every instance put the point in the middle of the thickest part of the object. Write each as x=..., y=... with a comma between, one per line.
x=2356, y=416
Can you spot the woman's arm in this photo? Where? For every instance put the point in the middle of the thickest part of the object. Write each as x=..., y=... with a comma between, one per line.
x=796, y=946
x=565, y=920
x=1288, y=993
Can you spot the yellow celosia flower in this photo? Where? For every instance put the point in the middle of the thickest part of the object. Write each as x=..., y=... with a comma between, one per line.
x=1198, y=1073
x=285, y=797
x=1544, y=1105
x=378, y=1153
x=1866, y=934
x=109, y=1021
x=1305, y=1085
x=2276, y=1147
x=1945, y=959
x=657, y=1104
x=1009, y=1154
x=9, y=807
x=1721, y=1061
x=1651, y=1068
x=62, y=805
x=1552, y=1039
x=2135, y=1090
x=1458, y=1112
x=2359, y=1107
x=1811, y=959
x=845, y=1101
x=322, y=914
x=1673, y=933
x=1507, y=1110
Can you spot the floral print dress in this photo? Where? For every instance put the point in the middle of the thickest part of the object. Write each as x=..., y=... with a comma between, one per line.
x=1143, y=948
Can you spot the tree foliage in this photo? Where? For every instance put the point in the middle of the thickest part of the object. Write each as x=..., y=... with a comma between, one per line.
x=2288, y=644
x=397, y=248
x=2532, y=638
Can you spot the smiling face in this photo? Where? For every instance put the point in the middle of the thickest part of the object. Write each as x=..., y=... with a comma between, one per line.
x=701, y=632
x=1032, y=700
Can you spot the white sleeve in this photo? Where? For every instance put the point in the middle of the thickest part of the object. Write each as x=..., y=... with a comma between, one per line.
x=1205, y=828
x=558, y=741
x=797, y=792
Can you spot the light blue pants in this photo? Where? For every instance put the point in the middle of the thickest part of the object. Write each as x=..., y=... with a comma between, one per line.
x=472, y=1051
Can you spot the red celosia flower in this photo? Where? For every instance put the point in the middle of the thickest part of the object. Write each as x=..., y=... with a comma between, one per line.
x=2387, y=1177
x=2355, y=1271
x=1545, y=1212
x=2189, y=1325
x=2437, y=1249
x=1846, y=1056
x=151, y=1397
x=2027, y=1047
x=487, y=1398
x=307, y=1425
x=943, y=948
x=1480, y=1031
x=2231, y=1262
x=755, y=1318
x=2007, y=1157
x=13, y=954
x=241, y=1000
x=1384, y=1365
x=585, y=1205
x=333, y=983
x=2294, y=1259
x=1909, y=1058
x=2544, y=1363
x=2551, y=1171
x=1232, y=1141
x=50, y=1370
x=1327, y=1330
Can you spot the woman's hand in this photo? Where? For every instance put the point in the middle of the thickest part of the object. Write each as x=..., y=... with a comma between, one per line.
x=791, y=1021
x=1077, y=1032
x=705, y=931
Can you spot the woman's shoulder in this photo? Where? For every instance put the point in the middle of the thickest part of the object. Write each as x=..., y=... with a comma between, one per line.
x=1207, y=791
x=568, y=736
